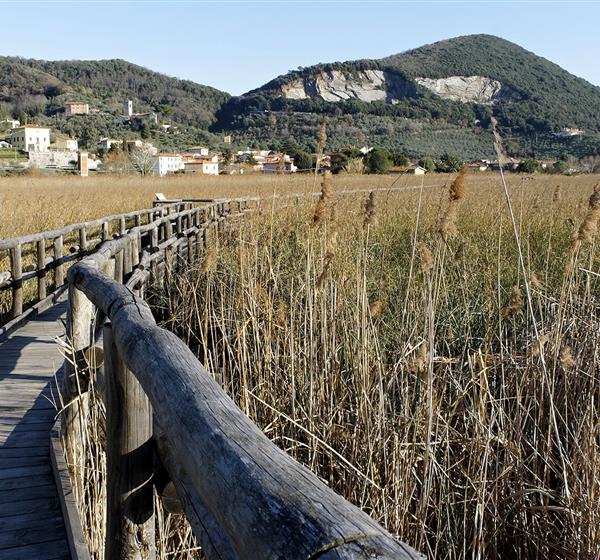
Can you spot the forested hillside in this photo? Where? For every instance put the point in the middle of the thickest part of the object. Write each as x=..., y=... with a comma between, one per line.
x=432, y=100
x=545, y=101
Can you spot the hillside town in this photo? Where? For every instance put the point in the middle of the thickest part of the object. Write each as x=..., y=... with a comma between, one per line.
x=25, y=146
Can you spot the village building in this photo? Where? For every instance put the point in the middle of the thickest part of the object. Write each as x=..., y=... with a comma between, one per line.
x=108, y=143
x=204, y=164
x=165, y=163
x=9, y=124
x=30, y=138
x=76, y=108
x=200, y=150
x=418, y=170
x=279, y=163
x=70, y=144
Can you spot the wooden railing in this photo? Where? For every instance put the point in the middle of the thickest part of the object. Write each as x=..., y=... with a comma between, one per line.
x=42, y=258
x=244, y=497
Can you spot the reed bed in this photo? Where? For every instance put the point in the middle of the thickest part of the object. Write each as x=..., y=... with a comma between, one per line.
x=395, y=345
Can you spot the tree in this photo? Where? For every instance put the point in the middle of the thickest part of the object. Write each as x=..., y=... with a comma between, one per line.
x=303, y=161
x=378, y=160
x=400, y=160
x=142, y=158
x=450, y=163
x=428, y=164
x=560, y=166
x=339, y=162
x=529, y=166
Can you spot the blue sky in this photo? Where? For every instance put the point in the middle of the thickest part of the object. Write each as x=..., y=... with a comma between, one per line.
x=237, y=46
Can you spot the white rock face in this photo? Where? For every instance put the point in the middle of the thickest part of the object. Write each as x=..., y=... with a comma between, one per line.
x=469, y=89
x=334, y=85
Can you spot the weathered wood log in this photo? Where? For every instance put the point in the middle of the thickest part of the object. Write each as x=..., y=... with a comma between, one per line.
x=75, y=383
x=83, y=244
x=59, y=275
x=130, y=499
x=119, y=266
x=105, y=230
x=41, y=269
x=266, y=504
x=16, y=272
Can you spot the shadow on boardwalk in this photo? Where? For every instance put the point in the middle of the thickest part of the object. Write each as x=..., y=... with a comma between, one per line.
x=31, y=524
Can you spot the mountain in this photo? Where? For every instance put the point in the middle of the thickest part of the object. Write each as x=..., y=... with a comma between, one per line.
x=40, y=88
x=434, y=99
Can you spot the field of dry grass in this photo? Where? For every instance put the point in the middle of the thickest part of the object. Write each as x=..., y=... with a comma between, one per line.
x=404, y=346
x=32, y=204
x=399, y=347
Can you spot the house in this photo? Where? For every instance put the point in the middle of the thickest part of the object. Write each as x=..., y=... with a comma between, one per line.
x=166, y=163
x=70, y=144
x=200, y=150
x=108, y=143
x=9, y=124
x=76, y=108
x=227, y=139
x=418, y=170
x=279, y=163
x=141, y=145
x=204, y=164
x=202, y=167
x=30, y=138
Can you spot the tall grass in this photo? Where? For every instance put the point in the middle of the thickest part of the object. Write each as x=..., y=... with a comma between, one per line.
x=388, y=343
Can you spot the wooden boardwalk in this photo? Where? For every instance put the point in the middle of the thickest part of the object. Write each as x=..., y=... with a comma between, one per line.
x=31, y=522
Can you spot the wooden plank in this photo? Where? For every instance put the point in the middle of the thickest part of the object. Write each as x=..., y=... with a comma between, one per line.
x=33, y=493
x=26, y=520
x=9, y=453
x=28, y=506
x=25, y=439
x=51, y=550
x=26, y=482
x=74, y=530
x=18, y=472
x=10, y=462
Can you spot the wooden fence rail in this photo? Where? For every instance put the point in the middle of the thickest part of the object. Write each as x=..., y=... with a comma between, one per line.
x=83, y=238
x=244, y=497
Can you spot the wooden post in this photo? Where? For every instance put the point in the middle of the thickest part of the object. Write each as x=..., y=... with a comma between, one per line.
x=59, y=273
x=75, y=381
x=83, y=240
x=119, y=267
x=130, y=499
x=136, y=243
x=16, y=272
x=122, y=226
x=41, y=268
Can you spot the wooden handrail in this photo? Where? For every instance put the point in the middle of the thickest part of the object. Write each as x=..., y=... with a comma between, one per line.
x=258, y=502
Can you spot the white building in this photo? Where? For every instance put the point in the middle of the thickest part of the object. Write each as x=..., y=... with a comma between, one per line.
x=9, y=124
x=30, y=138
x=418, y=170
x=200, y=150
x=163, y=164
x=70, y=144
x=108, y=143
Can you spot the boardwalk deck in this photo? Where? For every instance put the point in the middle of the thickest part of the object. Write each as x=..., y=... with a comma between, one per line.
x=31, y=523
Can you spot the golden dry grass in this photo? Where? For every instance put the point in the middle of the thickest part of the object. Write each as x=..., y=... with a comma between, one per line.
x=422, y=375
x=393, y=355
